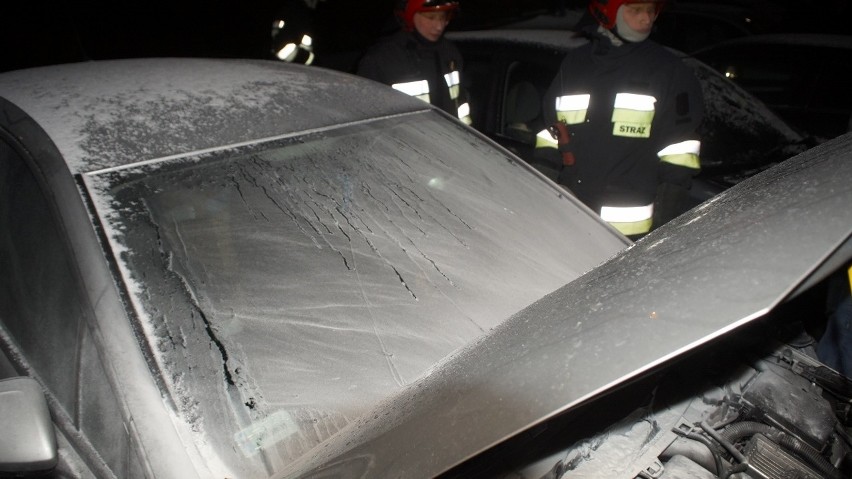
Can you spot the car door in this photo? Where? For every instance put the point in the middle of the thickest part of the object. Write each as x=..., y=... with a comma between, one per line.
x=509, y=81
x=46, y=324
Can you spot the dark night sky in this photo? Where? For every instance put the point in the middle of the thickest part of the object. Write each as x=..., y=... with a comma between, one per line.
x=67, y=32
x=39, y=32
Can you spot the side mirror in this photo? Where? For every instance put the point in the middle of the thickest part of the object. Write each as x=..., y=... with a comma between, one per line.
x=28, y=441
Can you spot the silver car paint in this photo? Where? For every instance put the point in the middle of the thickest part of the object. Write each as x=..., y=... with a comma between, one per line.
x=87, y=112
x=714, y=269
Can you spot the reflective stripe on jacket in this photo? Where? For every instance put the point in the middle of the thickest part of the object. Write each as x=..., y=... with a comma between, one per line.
x=429, y=71
x=632, y=112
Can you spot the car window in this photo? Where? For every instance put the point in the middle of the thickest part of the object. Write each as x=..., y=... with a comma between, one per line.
x=477, y=71
x=39, y=306
x=522, y=117
x=689, y=31
x=739, y=134
x=800, y=82
x=525, y=87
x=45, y=316
x=773, y=73
x=7, y=370
x=834, y=91
x=829, y=104
x=287, y=286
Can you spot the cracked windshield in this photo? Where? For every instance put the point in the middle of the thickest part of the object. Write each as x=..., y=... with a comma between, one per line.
x=282, y=288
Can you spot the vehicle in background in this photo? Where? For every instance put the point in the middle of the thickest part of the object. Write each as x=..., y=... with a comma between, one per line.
x=776, y=16
x=687, y=26
x=508, y=71
x=210, y=267
x=801, y=77
x=684, y=26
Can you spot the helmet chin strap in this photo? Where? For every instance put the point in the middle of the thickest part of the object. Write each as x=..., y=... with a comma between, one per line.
x=625, y=32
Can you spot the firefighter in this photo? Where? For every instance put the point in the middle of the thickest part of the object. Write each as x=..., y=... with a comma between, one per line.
x=835, y=346
x=418, y=60
x=624, y=112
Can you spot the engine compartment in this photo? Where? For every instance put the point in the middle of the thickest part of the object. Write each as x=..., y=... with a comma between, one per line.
x=784, y=421
x=775, y=416
x=754, y=404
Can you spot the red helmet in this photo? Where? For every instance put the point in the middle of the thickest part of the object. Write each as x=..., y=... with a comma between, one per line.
x=407, y=8
x=605, y=11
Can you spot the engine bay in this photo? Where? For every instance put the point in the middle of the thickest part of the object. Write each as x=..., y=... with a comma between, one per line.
x=754, y=404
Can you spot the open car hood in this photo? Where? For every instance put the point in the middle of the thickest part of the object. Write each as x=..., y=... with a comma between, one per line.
x=705, y=274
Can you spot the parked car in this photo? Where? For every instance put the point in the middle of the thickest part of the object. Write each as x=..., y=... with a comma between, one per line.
x=688, y=26
x=508, y=72
x=801, y=77
x=685, y=355
x=210, y=267
x=685, y=26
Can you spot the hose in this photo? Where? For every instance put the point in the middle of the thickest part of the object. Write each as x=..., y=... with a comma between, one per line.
x=842, y=434
x=744, y=429
x=724, y=442
x=684, y=450
x=736, y=469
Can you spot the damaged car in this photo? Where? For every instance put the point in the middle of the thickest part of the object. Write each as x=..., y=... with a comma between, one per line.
x=208, y=268
x=232, y=268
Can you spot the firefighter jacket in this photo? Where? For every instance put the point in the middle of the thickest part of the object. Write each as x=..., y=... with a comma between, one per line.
x=427, y=70
x=632, y=112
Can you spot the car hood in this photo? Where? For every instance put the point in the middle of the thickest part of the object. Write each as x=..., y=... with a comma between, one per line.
x=705, y=274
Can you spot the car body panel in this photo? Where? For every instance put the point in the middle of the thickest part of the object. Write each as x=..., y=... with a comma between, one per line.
x=90, y=131
x=701, y=276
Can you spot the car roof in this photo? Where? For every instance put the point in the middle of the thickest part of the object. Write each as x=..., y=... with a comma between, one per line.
x=790, y=39
x=703, y=275
x=558, y=39
x=106, y=114
x=561, y=40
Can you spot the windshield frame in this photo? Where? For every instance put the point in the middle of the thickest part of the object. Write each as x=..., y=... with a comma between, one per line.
x=99, y=185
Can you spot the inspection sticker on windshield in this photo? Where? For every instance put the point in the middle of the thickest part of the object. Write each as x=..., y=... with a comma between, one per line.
x=265, y=432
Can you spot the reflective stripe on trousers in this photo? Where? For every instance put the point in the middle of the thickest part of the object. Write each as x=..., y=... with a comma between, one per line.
x=630, y=220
